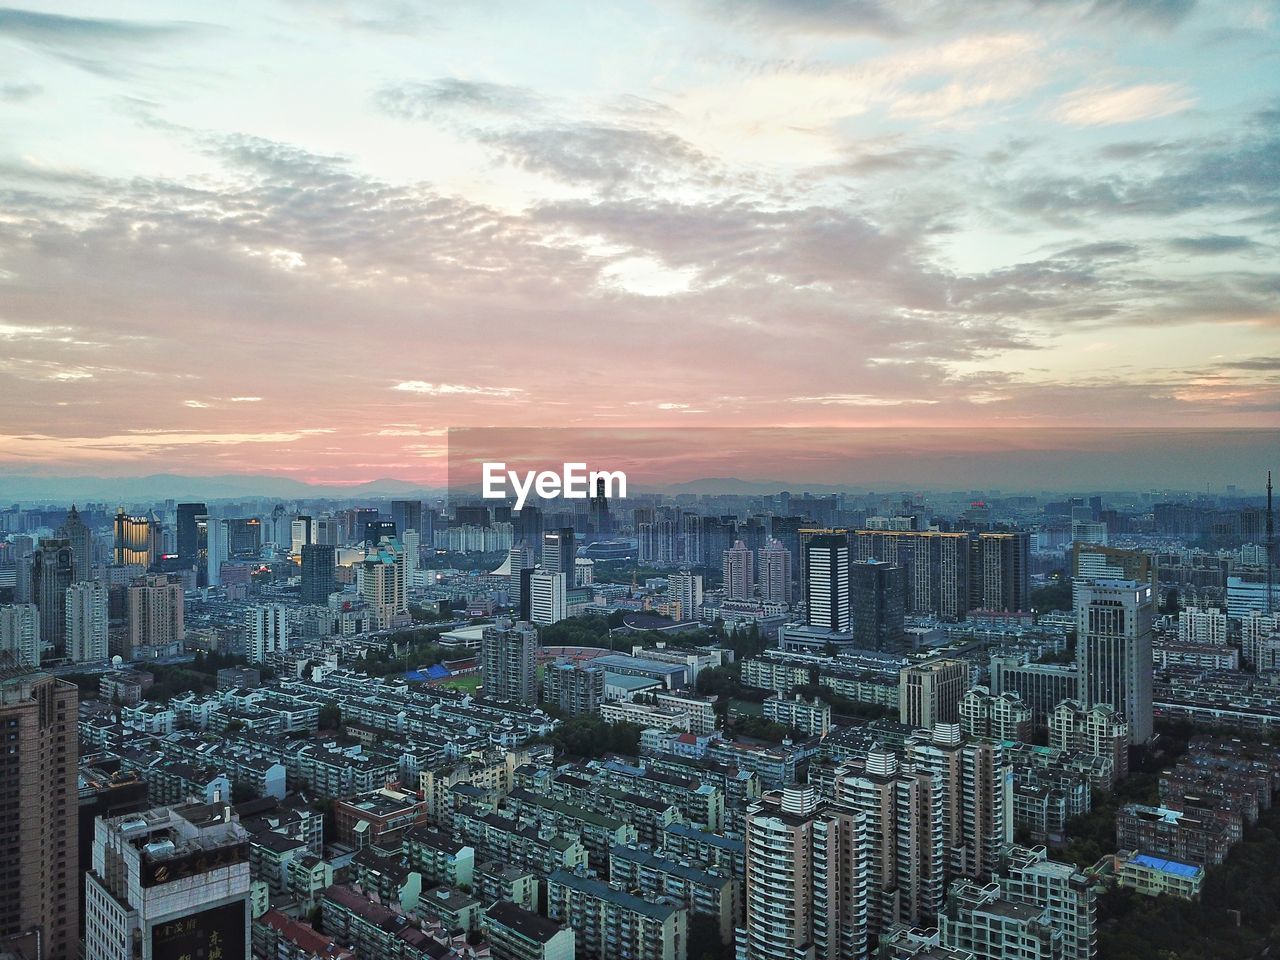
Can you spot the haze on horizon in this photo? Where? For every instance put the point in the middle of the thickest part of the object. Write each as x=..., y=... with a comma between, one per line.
x=304, y=237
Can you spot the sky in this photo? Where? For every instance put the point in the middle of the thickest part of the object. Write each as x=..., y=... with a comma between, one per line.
x=306, y=237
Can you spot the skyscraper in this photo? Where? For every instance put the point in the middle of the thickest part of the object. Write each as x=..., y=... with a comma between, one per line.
x=739, y=572
x=509, y=659
x=266, y=629
x=827, y=590
x=87, y=622
x=548, y=597
x=189, y=531
x=381, y=582
x=137, y=539
x=1005, y=567
x=685, y=588
x=52, y=571
x=773, y=573
x=155, y=613
x=77, y=532
x=929, y=693
x=300, y=534
x=559, y=552
x=20, y=634
x=38, y=804
x=528, y=526
x=1113, y=649
x=807, y=864
x=903, y=821
x=317, y=573
x=877, y=599
x=598, y=511
x=406, y=515
x=168, y=883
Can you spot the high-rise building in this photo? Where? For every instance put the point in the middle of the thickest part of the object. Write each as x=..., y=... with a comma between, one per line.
x=520, y=567
x=171, y=882
x=326, y=531
x=78, y=534
x=1202, y=626
x=598, y=511
x=685, y=588
x=1113, y=649
x=977, y=797
x=375, y=530
x=1028, y=876
x=300, y=534
x=381, y=582
x=318, y=573
x=930, y=693
x=407, y=515
x=739, y=572
x=609, y=923
x=827, y=591
x=559, y=552
x=509, y=661
x=573, y=688
x=936, y=567
x=773, y=573
x=155, y=613
x=903, y=813
x=876, y=592
x=20, y=634
x=52, y=572
x=548, y=597
x=980, y=922
x=266, y=631
x=39, y=866
x=997, y=717
x=528, y=526
x=244, y=538
x=87, y=622
x=189, y=530
x=1098, y=731
x=1006, y=570
x=137, y=539
x=806, y=881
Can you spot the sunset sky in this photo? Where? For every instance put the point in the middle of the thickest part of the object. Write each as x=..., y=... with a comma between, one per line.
x=305, y=237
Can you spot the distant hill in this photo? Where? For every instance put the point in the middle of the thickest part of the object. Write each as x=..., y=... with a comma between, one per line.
x=160, y=486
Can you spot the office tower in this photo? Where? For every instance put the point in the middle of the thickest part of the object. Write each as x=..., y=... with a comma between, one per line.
x=52, y=571
x=381, y=582
x=806, y=880
x=326, y=531
x=155, y=613
x=189, y=531
x=407, y=515
x=318, y=578
x=1028, y=876
x=936, y=568
x=773, y=573
x=558, y=552
x=573, y=688
x=1098, y=731
x=520, y=565
x=471, y=514
x=20, y=635
x=929, y=693
x=1091, y=561
x=903, y=814
x=300, y=534
x=1113, y=649
x=509, y=661
x=685, y=588
x=376, y=530
x=877, y=600
x=244, y=538
x=87, y=622
x=1006, y=570
x=997, y=717
x=266, y=631
x=78, y=534
x=412, y=541
x=38, y=861
x=598, y=511
x=171, y=882
x=976, y=785
x=528, y=526
x=827, y=583
x=137, y=539
x=548, y=597
x=695, y=539
x=739, y=572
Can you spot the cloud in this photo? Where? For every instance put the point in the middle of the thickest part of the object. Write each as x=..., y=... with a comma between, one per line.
x=1107, y=106
x=14, y=92
x=244, y=399
x=811, y=16
x=860, y=400
x=196, y=404
x=87, y=42
x=597, y=153
x=1211, y=244
x=455, y=389
x=425, y=101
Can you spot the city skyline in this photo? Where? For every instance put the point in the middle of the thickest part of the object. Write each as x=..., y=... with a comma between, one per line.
x=755, y=214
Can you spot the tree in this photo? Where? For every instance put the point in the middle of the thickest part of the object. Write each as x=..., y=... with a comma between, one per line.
x=330, y=716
